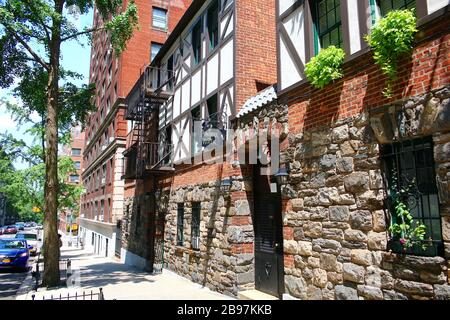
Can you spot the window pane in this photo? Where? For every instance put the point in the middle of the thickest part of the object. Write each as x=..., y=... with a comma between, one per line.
x=159, y=18
x=154, y=50
x=76, y=152
x=328, y=22
x=389, y=5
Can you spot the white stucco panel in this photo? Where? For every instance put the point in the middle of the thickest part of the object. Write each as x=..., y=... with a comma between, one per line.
x=289, y=73
x=224, y=29
x=196, y=86
x=176, y=103
x=284, y=5
x=186, y=96
x=227, y=62
x=213, y=74
x=353, y=24
x=435, y=5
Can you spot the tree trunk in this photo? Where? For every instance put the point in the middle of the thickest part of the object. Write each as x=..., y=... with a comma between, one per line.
x=51, y=277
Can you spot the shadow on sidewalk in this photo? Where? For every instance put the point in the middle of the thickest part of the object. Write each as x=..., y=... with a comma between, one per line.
x=110, y=273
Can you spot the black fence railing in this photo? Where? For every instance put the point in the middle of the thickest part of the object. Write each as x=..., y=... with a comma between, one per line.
x=65, y=269
x=84, y=296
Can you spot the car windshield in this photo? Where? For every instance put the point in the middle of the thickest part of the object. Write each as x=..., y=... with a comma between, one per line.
x=26, y=236
x=12, y=244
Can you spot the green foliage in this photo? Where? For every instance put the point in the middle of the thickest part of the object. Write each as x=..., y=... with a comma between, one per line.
x=391, y=37
x=122, y=26
x=325, y=67
x=410, y=232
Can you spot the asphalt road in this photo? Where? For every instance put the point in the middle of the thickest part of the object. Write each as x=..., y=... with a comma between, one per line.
x=11, y=280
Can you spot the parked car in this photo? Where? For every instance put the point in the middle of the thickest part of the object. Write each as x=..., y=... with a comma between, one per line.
x=32, y=239
x=14, y=254
x=10, y=230
x=20, y=225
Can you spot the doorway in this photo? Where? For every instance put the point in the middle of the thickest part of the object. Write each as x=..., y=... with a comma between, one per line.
x=269, y=273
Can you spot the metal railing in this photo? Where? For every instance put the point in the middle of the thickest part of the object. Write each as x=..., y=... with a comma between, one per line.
x=156, y=155
x=65, y=269
x=85, y=296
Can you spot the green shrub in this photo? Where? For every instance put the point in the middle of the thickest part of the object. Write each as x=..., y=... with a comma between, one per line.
x=391, y=37
x=325, y=67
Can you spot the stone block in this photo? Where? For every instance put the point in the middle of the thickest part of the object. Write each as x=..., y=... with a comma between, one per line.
x=242, y=207
x=340, y=134
x=319, y=278
x=353, y=272
x=290, y=246
x=339, y=213
x=361, y=219
x=357, y=182
x=328, y=261
x=379, y=221
x=327, y=246
x=312, y=229
x=370, y=293
x=328, y=161
x=361, y=257
x=333, y=233
x=304, y=248
x=377, y=240
x=412, y=287
x=295, y=286
x=344, y=165
x=442, y=292
x=297, y=204
x=345, y=293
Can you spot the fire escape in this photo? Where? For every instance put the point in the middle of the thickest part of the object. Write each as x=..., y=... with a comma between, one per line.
x=145, y=154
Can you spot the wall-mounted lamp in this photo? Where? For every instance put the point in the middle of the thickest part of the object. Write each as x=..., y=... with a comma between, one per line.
x=282, y=176
x=225, y=186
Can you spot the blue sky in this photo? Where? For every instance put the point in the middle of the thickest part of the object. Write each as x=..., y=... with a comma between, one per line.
x=75, y=57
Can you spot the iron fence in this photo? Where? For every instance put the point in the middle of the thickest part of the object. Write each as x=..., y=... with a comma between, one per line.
x=85, y=296
x=65, y=269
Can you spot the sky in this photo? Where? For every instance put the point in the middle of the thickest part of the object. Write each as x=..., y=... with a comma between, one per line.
x=75, y=57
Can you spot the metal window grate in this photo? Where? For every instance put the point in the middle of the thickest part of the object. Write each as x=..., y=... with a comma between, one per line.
x=413, y=164
x=180, y=224
x=195, y=228
x=389, y=5
x=328, y=23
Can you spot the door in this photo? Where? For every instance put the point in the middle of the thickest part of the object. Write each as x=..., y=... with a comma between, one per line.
x=118, y=245
x=268, y=234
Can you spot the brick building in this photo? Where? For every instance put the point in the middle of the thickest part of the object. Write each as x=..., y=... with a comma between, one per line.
x=102, y=204
x=74, y=150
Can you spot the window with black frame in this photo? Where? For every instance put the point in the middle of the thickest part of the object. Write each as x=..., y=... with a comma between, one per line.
x=410, y=179
x=195, y=227
x=388, y=5
x=197, y=42
x=328, y=25
x=180, y=224
x=212, y=18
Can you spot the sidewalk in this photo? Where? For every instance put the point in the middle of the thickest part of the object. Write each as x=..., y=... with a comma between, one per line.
x=122, y=282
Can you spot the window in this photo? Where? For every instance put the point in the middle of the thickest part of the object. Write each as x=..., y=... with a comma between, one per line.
x=328, y=26
x=196, y=143
x=197, y=41
x=76, y=152
x=411, y=163
x=154, y=50
x=159, y=18
x=195, y=227
x=213, y=24
x=74, y=178
x=388, y=5
x=212, y=111
x=170, y=73
x=180, y=224
x=77, y=165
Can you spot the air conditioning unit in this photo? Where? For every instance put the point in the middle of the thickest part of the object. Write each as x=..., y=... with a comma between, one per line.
x=103, y=181
x=104, y=147
x=111, y=139
x=101, y=218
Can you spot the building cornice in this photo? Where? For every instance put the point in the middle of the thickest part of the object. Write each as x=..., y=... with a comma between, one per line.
x=117, y=143
x=120, y=102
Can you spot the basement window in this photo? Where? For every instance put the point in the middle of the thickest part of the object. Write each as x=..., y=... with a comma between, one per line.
x=195, y=227
x=409, y=166
x=180, y=224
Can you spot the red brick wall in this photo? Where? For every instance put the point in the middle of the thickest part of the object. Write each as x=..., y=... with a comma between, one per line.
x=427, y=68
x=256, y=52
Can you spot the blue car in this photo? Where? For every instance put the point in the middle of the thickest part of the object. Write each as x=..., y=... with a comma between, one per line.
x=14, y=253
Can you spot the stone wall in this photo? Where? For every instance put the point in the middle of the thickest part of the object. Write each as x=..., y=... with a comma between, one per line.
x=335, y=230
x=222, y=263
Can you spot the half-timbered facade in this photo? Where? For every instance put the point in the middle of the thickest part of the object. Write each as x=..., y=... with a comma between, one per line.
x=221, y=53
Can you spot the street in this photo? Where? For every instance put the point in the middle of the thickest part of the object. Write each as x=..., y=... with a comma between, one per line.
x=11, y=280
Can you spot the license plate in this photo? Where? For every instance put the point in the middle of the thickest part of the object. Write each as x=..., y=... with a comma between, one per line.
x=6, y=260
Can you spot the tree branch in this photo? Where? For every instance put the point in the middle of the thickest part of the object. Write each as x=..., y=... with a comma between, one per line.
x=92, y=30
x=28, y=48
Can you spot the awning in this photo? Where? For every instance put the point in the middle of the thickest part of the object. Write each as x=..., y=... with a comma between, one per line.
x=262, y=98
